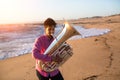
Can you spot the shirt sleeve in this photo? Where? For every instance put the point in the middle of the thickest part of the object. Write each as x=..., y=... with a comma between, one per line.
x=36, y=52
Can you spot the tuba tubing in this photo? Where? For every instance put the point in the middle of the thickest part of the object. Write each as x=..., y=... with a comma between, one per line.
x=67, y=32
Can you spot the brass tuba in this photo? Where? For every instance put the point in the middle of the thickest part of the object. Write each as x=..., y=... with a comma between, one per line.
x=59, y=48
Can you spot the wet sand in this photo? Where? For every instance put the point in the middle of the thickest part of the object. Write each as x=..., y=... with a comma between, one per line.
x=94, y=58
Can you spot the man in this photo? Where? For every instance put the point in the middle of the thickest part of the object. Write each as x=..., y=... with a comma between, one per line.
x=40, y=45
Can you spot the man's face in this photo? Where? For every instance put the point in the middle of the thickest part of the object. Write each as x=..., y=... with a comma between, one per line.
x=49, y=30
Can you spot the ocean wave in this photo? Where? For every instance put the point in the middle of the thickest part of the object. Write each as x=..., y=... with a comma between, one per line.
x=18, y=43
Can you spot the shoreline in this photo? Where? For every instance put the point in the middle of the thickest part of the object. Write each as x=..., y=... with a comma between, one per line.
x=94, y=58
x=25, y=45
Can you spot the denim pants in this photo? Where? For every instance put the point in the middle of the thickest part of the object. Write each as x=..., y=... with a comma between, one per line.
x=56, y=77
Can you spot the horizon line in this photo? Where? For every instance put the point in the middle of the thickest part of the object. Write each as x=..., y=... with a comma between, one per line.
x=41, y=21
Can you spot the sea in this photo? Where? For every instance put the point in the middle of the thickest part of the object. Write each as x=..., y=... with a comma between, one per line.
x=20, y=41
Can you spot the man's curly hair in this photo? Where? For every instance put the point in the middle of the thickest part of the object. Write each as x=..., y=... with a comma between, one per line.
x=49, y=22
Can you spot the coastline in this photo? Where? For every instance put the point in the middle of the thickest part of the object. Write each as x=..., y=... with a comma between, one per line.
x=94, y=58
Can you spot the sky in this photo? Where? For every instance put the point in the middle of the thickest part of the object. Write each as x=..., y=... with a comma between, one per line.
x=20, y=11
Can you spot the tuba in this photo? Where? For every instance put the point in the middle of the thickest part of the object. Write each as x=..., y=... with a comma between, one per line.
x=59, y=48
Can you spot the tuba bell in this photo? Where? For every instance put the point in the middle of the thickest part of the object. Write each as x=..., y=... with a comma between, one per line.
x=59, y=48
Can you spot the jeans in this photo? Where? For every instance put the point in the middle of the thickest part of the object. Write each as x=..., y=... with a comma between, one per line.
x=56, y=77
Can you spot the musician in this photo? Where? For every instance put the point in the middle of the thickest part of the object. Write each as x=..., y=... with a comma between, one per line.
x=40, y=45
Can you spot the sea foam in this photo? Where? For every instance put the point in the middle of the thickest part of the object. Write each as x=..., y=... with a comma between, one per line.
x=17, y=44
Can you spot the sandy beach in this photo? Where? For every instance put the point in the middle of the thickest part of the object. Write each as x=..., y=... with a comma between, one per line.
x=94, y=58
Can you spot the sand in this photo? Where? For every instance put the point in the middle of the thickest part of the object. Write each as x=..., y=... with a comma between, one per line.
x=94, y=58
